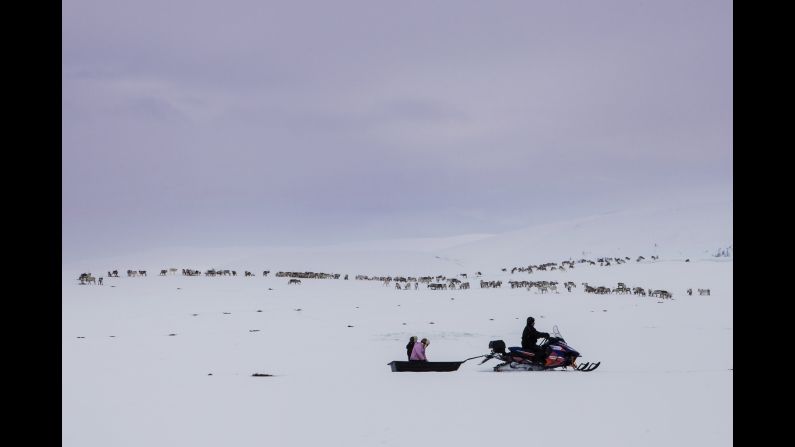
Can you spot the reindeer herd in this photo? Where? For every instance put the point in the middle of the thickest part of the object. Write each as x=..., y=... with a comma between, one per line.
x=438, y=282
x=568, y=264
x=623, y=289
x=87, y=278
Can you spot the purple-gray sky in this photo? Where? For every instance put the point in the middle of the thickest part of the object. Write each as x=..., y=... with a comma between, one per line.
x=189, y=122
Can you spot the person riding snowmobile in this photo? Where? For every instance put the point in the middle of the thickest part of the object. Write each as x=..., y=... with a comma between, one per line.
x=530, y=337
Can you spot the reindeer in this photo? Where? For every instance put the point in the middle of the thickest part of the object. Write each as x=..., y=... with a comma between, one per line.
x=294, y=281
x=163, y=272
x=86, y=278
x=703, y=292
x=622, y=288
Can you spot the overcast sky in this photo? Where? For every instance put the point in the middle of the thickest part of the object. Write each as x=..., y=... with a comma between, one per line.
x=195, y=123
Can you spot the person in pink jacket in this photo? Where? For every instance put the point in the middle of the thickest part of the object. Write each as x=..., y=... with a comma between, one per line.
x=418, y=352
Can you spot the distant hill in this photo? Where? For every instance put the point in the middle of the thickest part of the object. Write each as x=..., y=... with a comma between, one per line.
x=699, y=229
x=696, y=229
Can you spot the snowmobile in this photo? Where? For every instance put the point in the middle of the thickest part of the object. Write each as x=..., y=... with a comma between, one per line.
x=556, y=354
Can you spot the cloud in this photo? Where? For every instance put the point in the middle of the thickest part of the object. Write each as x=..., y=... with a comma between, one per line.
x=437, y=115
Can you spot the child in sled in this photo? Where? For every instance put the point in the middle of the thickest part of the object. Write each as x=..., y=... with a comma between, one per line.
x=418, y=352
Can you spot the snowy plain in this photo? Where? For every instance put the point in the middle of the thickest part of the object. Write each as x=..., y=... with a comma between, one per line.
x=665, y=378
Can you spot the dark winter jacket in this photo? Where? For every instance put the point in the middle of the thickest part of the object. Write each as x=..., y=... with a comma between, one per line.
x=409, y=348
x=530, y=336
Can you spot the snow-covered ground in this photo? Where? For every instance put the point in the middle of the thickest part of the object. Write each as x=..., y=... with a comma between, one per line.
x=665, y=378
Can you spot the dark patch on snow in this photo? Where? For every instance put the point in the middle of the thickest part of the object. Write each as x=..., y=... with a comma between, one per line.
x=261, y=375
x=171, y=335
